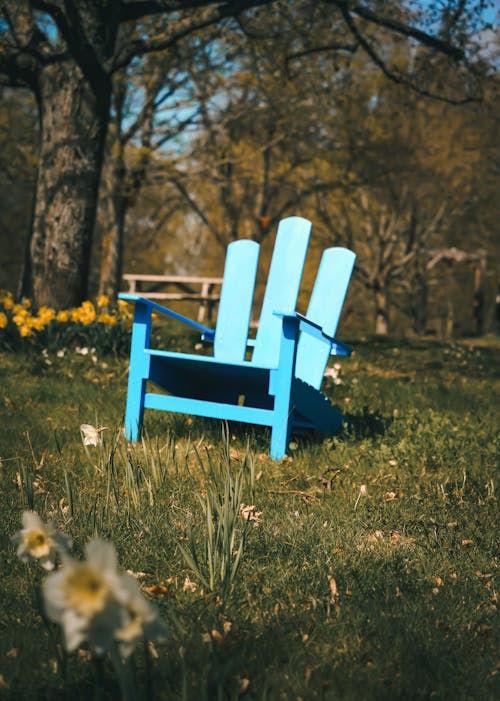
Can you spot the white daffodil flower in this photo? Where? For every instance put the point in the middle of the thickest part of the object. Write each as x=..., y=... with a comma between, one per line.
x=40, y=541
x=92, y=435
x=140, y=618
x=84, y=597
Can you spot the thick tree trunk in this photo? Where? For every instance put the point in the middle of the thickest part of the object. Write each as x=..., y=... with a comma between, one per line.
x=73, y=129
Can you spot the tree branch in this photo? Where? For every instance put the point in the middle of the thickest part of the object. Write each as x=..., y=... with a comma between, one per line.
x=394, y=77
x=334, y=46
x=139, y=9
x=145, y=8
x=402, y=28
x=194, y=206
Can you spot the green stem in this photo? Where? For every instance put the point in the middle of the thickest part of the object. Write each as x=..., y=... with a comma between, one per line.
x=126, y=677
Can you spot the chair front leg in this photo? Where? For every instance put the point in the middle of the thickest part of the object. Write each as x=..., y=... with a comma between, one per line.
x=138, y=371
x=281, y=380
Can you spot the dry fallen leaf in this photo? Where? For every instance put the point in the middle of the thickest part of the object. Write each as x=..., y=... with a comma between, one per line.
x=189, y=585
x=243, y=684
x=218, y=637
x=227, y=625
x=156, y=590
x=333, y=589
x=250, y=513
x=136, y=575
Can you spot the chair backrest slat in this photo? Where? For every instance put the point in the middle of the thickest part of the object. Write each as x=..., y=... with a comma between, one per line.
x=235, y=306
x=325, y=307
x=282, y=287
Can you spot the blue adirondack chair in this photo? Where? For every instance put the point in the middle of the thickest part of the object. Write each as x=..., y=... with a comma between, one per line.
x=279, y=385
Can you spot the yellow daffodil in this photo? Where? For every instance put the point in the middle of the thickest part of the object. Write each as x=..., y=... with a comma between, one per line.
x=102, y=301
x=25, y=330
x=84, y=314
x=19, y=319
x=107, y=319
x=36, y=323
x=63, y=315
x=46, y=314
x=3, y=320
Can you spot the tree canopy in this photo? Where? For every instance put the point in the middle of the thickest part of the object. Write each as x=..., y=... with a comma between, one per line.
x=287, y=104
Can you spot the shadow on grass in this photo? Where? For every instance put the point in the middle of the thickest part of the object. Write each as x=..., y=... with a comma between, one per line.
x=364, y=424
x=368, y=423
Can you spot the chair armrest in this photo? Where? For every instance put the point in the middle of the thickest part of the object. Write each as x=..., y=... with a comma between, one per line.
x=313, y=329
x=207, y=334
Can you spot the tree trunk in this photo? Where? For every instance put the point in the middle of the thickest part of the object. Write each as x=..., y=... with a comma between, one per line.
x=478, y=302
x=497, y=311
x=73, y=129
x=419, y=305
x=381, y=314
x=419, y=291
x=112, y=250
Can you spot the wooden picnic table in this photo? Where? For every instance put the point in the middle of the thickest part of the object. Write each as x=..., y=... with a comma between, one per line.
x=205, y=290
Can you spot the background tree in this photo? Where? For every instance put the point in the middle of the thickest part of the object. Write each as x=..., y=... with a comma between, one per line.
x=67, y=53
x=151, y=109
x=18, y=161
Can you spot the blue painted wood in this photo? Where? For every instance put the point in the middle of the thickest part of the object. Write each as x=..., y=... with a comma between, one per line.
x=212, y=386
x=282, y=288
x=235, y=306
x=217, y=410
x=207, y=332
x=314, y=409
x=280, y=386
x=325, y=307
x=205, y=376
x=139, y=370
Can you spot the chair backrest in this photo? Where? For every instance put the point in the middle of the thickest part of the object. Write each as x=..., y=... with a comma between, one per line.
x=235, y=306
x=325, y=307
x=282, y=287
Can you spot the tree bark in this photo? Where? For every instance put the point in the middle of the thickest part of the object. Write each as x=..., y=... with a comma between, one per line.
x=73, y=117
x=419, y=291
x=112, y=247
x=381, y=314
x=478, y=302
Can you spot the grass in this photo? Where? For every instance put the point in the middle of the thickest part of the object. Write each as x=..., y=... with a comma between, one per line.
x=370, y=573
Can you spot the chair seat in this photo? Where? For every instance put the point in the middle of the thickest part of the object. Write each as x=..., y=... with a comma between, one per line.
x=208, y=377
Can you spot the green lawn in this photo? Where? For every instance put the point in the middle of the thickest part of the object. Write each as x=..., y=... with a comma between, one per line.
x=370, y=573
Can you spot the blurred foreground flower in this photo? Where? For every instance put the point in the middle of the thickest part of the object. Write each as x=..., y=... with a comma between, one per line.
x=92, y=435
x=40, y=541
x=82, y=597
x=140, y=618
x=95, y=604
